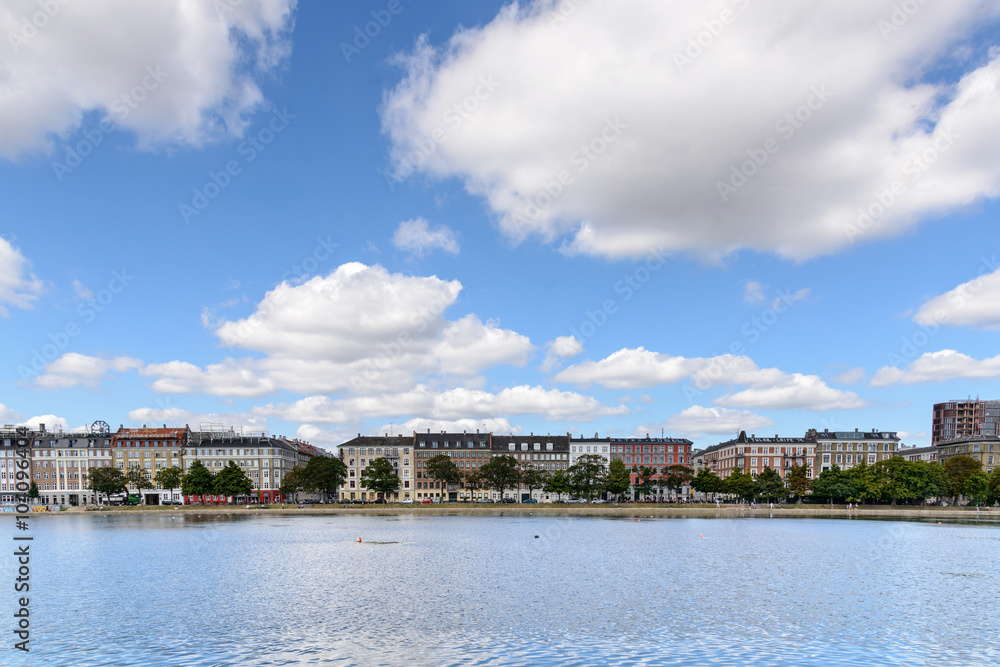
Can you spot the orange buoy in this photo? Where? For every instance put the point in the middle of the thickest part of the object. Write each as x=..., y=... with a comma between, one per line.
x=359, y=539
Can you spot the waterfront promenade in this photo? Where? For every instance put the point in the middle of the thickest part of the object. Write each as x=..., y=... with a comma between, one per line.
x=625, y=510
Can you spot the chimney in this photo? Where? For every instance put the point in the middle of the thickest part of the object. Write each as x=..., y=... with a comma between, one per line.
x=41, y=428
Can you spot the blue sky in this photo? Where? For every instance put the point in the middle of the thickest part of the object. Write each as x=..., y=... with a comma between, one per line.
x=550, y=217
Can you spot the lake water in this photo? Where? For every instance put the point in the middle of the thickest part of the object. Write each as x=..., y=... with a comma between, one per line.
x=155, y=589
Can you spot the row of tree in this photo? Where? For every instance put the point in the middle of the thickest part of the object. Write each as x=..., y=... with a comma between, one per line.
x=891, y=480
x=588, y=477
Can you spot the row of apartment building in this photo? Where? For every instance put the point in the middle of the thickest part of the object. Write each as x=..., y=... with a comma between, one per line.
x=60, y=462
x=409, y=456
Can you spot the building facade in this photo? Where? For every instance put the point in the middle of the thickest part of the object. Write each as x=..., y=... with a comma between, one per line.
x=359, y=452
x=983, y=448
x=470, y=451
x=150, y=450
x=958, y=419
x=657, y=454
x=543, y=452
x=264, y=459
x=929, y=454
x=752, y=454
x=846, y=449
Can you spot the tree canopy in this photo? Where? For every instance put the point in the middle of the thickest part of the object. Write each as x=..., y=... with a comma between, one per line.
x=618, y=480
x=198, y=481
x=169, y=478
x=291, y=483
x=959, y=469
x=107, y=481
x=558, y=483
x=770, y=485
x=380, y=477
x=740, y=484
x=797, y=479
x=588, y=475
x=707, y=482
x=501, y=473
x=324, y=474
x=232, y=481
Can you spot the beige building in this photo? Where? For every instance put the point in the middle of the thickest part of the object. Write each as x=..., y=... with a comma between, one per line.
x=983, y=448
x=846, y=449
x=752, y=454
x=358, y=453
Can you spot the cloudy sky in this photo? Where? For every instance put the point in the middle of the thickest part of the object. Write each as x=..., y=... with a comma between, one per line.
x=586, y=216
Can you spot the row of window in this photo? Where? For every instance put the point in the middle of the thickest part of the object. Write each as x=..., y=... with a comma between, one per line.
x=458, y=443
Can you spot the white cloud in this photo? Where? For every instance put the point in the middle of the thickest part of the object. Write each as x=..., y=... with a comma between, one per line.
x=359, y=329
x=187, y=70
x=753, y=292
x=792, y=391
x=52, y=423
x=496, y=425
x=787, y=299
x=8, y=415
x=850, y=376
x=232, y=377
x=698, y=420
x=81, y=290
x=975, y=303
x=416, y=237
x=79, y=370
x=562, y=347
x=448, y=405
x=938, y=367
x=669, y=134
x=630, y=368
x=248, y=422
x=18, y=285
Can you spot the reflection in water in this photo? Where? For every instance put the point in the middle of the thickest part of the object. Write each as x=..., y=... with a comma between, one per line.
x=262, y=590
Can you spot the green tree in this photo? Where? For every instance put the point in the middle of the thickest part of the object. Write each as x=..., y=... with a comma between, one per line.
x=867, y=483
x=644, y=486
x=588, y=475
x=324, y=474
x=740, y=484
x=770, y=484
x=533, y=478
x=473, y=482
x=959, y=469
x=380, y=477
x=501, y=473
x=994, y=484
x=197, y=481
x=618, y=480
x=107, y=481
x=291, y=483
x=675, y=477
x=232, y=481
x=169, y=478
x=443, y=469
x=976, y=487
x=707, y=482
x=899, y=479
x=559, y=483
x=798, y=481
x=835, y=485
x=139, y=478
x=33, y=490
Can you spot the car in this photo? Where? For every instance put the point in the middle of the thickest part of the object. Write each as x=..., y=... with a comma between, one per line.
x=406, y=501
x=598, y=501
x=426, y=501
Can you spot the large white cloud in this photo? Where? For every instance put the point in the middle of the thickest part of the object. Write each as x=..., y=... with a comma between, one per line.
x=617, y=144
x=8, y=415
x=79, y=370
x=359, y=329
x=939, y=367
x=698, y=420
x=18, y=285
x=448, y=405
x=793, y=391
x=975, y=303
x=187, y=69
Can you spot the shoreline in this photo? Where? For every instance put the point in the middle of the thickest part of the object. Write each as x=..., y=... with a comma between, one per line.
x=611, y=511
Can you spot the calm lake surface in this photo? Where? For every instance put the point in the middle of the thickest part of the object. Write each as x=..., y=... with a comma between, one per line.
x=268, y=590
